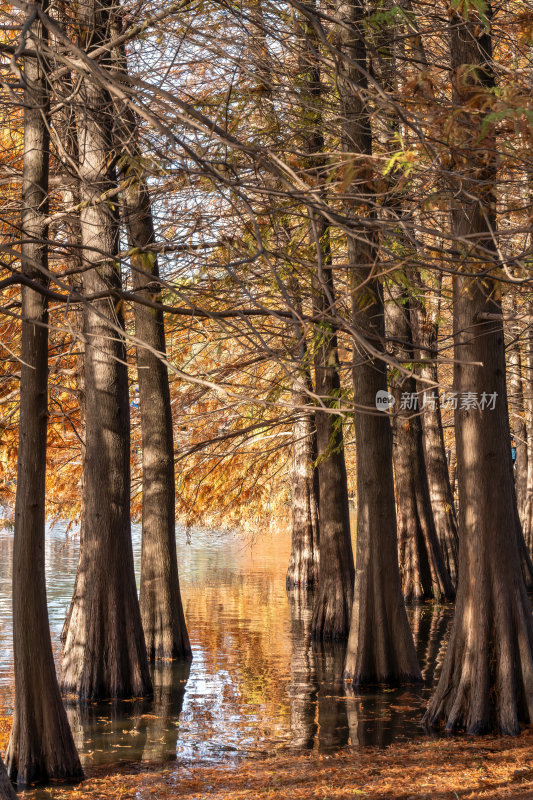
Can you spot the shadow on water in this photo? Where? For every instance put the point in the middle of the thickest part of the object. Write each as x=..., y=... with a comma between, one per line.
x=257, y=682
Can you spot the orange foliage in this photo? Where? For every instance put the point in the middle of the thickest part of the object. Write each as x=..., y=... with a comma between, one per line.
x=5, y=729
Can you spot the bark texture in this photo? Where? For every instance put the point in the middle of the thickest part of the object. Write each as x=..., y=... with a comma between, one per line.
x=426, y=328
x=424, y=573
x=104, y=652
x=162, y=614
x=304, y=559
x=331, y=615
x=486, y=681
x=305, y=542
x=527, y=514
x=164, y=625
x=516, y=401
x=41, y=746
x=380, y=644
x=333, y=602
x=6, y=789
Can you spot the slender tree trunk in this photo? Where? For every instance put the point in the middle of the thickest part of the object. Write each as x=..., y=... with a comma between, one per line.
x=422, y=562
x=426, y=328
x=425, y=318
x=163, y=619
x=162, y=614
x=305, y=535
x=305, y=543
x=487, y=677
x=331, y=615
x=452, y=471
x=527, y=515
x=380, y=645
x=104, y=652
x=6, y=790
x=41, y=746
x=66, y=141
x=516, y=400
x=333, y=602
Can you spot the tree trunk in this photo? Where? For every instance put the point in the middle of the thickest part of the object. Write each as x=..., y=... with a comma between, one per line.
x=516, y=400
x=331, y=614
x=527, y=516
x=426, y=324
x=162, y=614
x=6, y=790
x=64, y=125
x=163, y=619
x=425, y=318
x=305, y=542
x=104, y=652
x=333, y=602
x=486, y=681
x=41, y=746
x=380, y=645
x=424, y=573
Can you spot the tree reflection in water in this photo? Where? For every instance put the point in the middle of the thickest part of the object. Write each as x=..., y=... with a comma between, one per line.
x=140, y=730
x=257, y=683
x=327, y=714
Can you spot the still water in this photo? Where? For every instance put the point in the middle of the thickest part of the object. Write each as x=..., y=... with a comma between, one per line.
x=256, y=683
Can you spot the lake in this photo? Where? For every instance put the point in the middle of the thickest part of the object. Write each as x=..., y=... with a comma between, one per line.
x=256, y=682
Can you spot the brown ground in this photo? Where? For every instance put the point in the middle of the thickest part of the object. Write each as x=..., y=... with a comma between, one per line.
x=446, y=769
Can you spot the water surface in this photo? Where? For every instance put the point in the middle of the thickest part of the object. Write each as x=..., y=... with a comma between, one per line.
x=256, y=682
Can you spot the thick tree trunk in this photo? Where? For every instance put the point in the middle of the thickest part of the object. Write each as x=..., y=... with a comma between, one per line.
x=424, y=573
x=380, y=645
x=486, y=681
x=104, y=652
x=41, y=746
x=6, y=789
